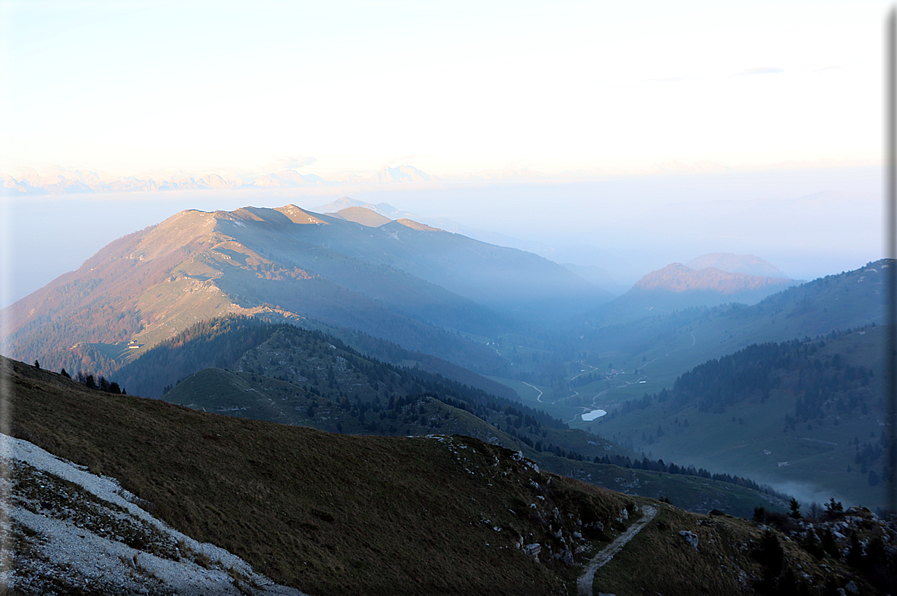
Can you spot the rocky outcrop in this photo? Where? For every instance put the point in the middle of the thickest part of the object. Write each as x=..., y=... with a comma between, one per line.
x=690, y=537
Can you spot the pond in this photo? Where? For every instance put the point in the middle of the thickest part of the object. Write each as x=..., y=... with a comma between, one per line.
x=589, y=416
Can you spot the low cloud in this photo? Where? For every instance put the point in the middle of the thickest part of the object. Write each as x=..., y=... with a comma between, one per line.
x=761, y=70
x=402, y=160
x=290, y=163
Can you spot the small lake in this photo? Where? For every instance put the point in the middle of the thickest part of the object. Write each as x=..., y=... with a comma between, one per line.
x=589, y=416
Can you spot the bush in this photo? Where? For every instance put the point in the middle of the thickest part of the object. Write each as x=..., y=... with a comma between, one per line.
x=770, y=554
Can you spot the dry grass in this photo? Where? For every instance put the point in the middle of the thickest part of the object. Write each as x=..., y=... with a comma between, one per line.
x=325, y=513
x=335, y=514
x=724, y=562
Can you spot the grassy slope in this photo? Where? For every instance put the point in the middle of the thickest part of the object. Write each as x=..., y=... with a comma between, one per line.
x=322, y=512
x=687, y=571
x=692, y=493
x=261, y=397
x=749, y=439
x=333, y=514
x=236, y=394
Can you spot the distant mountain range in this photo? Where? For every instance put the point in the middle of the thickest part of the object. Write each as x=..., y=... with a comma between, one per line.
x=678, y=286
x=746, y=264
x=696, y=334
x=77, y=181
x=401, y=281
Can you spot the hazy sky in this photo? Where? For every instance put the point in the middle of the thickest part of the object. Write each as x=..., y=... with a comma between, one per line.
x=784, y=97
x=450, y=87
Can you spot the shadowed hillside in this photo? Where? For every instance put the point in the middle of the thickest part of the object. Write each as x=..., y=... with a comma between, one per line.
x=808, y=415
x=331, y=514
x=279, y=373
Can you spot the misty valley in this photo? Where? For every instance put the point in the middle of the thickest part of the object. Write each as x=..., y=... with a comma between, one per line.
x=336, y=400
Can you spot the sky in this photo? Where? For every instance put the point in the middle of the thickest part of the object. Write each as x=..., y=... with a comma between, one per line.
x=736, y=114
x=451, y=88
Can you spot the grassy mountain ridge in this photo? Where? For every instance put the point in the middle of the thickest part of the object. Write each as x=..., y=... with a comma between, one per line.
x=148, y=286
x=322, y=512
x=332, y=514
x=506, y=280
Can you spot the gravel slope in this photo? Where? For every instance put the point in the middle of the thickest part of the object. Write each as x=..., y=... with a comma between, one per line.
x=66, y=530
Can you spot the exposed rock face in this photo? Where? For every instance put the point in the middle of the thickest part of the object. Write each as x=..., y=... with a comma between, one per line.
x=76, y=532
x=566, y=558
x=690, y=537
x=533, y=550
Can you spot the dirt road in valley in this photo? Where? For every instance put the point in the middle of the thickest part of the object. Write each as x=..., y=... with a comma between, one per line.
x=584, y=583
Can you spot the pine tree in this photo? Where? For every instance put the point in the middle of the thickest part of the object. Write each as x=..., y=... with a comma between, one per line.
x=795, y=509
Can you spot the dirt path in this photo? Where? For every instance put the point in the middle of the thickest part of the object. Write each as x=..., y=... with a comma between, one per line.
x=584, y=583
x=538, y=397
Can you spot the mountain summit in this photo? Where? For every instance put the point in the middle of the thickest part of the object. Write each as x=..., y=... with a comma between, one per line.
x=400, y=281
x=747, y=264
x=679, y=278
x=677, y=286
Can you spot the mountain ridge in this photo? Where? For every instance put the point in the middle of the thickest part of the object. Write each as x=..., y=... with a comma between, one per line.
x=402, y=281
x=200, y=269
x=678, y=278
x=76, y=182
x=748, y=264
x=677, y=287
